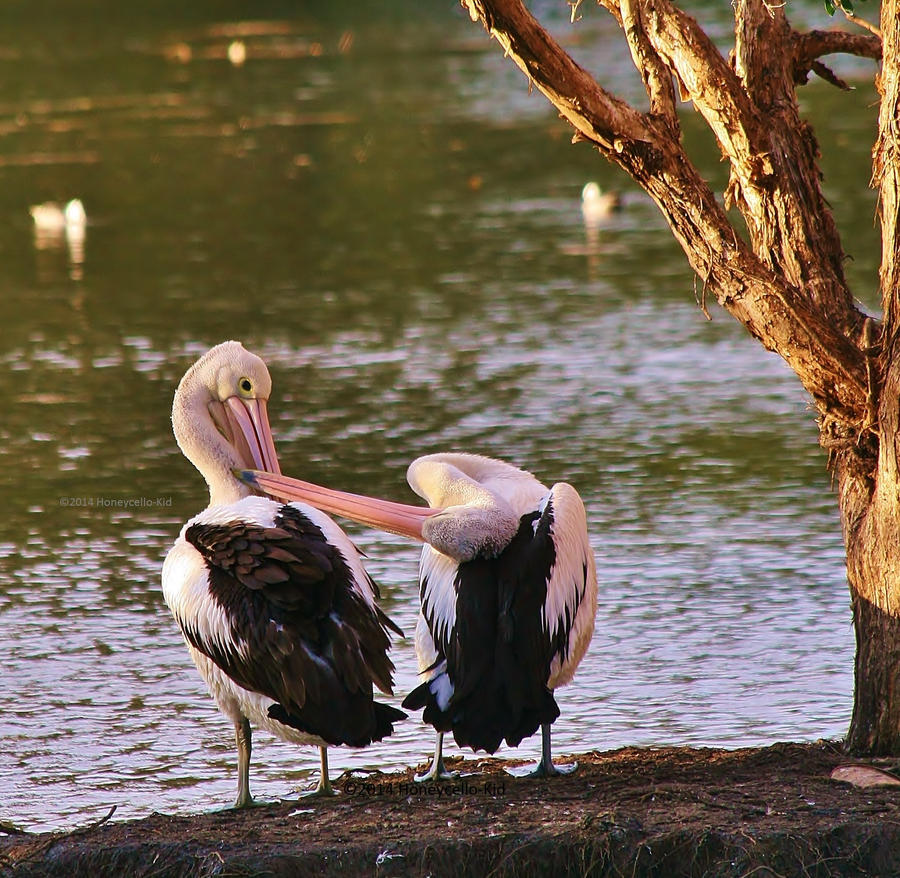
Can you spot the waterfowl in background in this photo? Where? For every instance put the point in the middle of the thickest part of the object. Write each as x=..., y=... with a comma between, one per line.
x=597, y=205
x=53, y=217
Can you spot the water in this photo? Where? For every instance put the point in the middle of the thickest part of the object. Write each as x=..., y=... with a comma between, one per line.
x=375, y=204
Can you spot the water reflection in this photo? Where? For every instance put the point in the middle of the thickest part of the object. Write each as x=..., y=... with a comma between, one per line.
x=319, y=205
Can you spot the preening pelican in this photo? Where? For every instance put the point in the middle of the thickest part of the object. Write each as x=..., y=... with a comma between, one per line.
x=508, y=591
x=278, y=613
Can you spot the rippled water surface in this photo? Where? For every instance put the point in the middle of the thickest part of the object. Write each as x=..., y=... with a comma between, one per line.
x=374, y=203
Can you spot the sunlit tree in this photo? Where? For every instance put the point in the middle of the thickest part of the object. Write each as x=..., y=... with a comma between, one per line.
x=779, y=271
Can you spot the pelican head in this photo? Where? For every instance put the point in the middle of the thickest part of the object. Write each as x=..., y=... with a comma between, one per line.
x=220, y=419
x=469, y=512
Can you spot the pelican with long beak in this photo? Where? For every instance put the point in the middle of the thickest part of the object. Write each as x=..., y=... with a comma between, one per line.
x=278, y=613
x=508, y=592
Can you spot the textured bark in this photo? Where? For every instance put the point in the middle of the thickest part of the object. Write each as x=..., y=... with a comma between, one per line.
x=785, y=284
x=872, y=518
x=874, y=729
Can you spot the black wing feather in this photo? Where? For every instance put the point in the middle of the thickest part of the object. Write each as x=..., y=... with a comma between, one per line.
x=498, y=655
x=300, y=633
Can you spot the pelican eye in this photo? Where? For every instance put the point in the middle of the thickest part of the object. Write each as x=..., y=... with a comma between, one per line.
x=245, y=385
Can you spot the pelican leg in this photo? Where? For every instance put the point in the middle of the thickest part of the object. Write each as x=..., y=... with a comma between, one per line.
x=324, y=787
x=437, y=770
x=243, y=738
x=546, y=768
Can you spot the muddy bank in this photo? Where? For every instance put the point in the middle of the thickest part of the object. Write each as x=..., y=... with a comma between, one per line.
x=669, y=812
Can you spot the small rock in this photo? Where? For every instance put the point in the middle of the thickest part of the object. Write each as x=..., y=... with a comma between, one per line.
x=864, y=776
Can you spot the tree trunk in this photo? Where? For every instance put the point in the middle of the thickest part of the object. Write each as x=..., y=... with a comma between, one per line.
x=872, y=542
x=786, y=283
x=870, y=508
x=875, y=727
x=870, y=514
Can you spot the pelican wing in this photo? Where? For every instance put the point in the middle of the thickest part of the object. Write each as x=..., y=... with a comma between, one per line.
x=571, y=602
x=437, y=593
x=297, y=629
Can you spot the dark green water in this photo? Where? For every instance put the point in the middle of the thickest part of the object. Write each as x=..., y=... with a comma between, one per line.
x=374, y=203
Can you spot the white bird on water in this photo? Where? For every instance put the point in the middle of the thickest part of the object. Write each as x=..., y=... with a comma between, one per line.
x=597, y=205
x=274, y=603
x=508, y=592
x=52, y=217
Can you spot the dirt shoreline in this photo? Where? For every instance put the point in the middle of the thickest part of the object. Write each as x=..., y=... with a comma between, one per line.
x=668, y=812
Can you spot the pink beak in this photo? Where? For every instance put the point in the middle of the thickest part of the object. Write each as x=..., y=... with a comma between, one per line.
x=249, y=419
x=397, y=518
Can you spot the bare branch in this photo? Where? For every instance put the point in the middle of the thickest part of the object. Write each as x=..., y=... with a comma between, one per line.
x=807, y=48
x=754, y=115
x=656, y=75
x=570, y=88
x=828, y=364
x=829, y=76
x=761, y=36
x=861, y=22
x=612, y=6
x=705, y=75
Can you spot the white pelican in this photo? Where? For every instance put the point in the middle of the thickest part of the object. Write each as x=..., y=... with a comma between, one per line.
x=276, y=608
x=597, y=205
x=508, y=591
x=52, y=217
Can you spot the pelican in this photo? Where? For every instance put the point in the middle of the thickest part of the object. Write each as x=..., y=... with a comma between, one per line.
x=278, y=613
x=508, y=591
x=597, y=205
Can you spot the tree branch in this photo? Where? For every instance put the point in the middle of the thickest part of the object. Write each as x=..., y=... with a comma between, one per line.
x=570, y=88
x=816, y=43
x=705, y=76
x=860, y=22
x=829, y=365
x=656, y=75
x=761, y=32
x=753, y=112
x=829, y=76
x=773, y=310
x=807, y=48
